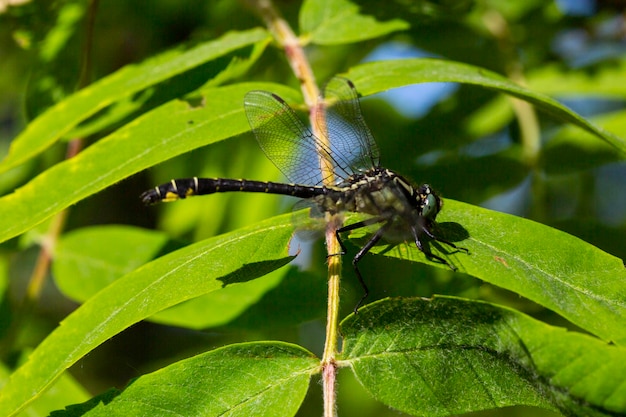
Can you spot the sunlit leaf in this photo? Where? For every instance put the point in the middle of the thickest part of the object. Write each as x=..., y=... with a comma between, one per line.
x=335, y=22
x=65, y=390
x=448, y=356
x=163, y=133
x=379, y=76
x=87, y=260
x=219, y=383
x=552, y=268
x=65, y=115
x=197, y=269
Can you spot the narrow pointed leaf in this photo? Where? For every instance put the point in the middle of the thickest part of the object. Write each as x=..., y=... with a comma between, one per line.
x=250, y=379
x=379, y=76
x=197, y=269
x=66, y=390
x=448, y=356
x=557, y=270
x=89, y=259
x=67, y=114
x=167, y=131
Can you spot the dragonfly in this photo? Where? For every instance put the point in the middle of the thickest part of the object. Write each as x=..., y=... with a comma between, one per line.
x=356, y=182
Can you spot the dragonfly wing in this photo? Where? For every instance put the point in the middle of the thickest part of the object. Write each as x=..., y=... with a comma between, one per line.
x=284, y=138
x=351, y=141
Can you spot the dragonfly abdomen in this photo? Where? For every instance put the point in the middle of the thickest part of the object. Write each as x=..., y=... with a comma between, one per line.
x=186, y=187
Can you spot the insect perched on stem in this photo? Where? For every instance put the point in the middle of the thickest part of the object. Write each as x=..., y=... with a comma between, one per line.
x=359, y=183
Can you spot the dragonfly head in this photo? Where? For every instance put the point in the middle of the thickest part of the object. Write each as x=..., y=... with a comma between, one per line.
x=429, y=202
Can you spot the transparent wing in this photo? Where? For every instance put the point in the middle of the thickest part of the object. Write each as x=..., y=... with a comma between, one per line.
x=286, y=141
x=351, y=142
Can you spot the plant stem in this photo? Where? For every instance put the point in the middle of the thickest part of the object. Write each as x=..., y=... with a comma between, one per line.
x=530, y=132
x=299, y=63
x=329, y=362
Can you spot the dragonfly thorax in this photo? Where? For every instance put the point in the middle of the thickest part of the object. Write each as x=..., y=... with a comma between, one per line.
x=382, y=192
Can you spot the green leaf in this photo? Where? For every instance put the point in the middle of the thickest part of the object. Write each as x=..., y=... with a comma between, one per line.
x=167, y=131
x=375, y=77
x=87, y=260
x=557, y=270
x=449, y=356
x=336, y=22
x=197, y=269
x=66, y=390
x=571, y=150
x=605, y=81
x=294, y=301
x=65, y=115
x=249, y=379
x=221, y=307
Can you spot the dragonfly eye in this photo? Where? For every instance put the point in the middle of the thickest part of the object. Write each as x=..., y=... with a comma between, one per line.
x=430, y=207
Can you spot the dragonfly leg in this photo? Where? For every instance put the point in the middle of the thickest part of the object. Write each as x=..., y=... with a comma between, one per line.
x=354, y=226
x=369, y=245
x=447, y=242
x=427, y=252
